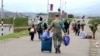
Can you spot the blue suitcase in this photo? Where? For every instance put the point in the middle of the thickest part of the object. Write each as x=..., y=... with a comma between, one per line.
x=46, y=45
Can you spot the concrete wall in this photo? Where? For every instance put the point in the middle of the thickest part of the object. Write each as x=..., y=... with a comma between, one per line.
x=8, y=28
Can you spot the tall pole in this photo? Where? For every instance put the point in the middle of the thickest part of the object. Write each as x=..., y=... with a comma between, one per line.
x=66, y=11
x=47, y=10
x=2, y=16
x=60, y=10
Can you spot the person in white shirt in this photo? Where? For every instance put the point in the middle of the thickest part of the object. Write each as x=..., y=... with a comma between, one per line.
x=82, y=34
x=31, y=32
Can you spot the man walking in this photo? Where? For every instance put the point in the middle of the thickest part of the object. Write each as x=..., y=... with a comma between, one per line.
x=57, y=33
x=66, y=23
x=40, y=27
x=77, y=28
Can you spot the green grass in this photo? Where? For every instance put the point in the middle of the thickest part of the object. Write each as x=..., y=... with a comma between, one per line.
x=19, y=29
x=14, y=35
x=93, y=21
x=70, y=19
x=21, y=22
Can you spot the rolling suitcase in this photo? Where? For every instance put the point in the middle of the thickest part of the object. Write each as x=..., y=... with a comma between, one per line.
x=46, y=45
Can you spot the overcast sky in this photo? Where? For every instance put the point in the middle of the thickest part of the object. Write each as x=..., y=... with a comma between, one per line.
x=71, y=6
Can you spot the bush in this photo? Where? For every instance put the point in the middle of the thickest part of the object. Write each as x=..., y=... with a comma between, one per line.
x=7, y=20
x=21, y=22
x=18, y=22
x=70, y=16
x=70, y=19
x=19, y=29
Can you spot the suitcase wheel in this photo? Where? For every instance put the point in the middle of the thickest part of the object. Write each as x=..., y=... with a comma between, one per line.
x=50, y=51
x=41, y=50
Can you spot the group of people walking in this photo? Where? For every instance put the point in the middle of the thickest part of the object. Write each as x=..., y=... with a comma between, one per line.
x=39, y=29
x=56, y=28
x=77, y=26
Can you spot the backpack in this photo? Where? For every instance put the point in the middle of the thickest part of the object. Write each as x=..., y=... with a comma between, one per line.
x=62, y=25
x=41, y=26
x=45, y=26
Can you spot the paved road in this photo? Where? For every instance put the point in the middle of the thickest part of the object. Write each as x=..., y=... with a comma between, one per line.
x=24, y=47
x=98, y=39
x=96, y=50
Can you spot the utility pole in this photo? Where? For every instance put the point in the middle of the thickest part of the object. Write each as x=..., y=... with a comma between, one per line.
x=2, y=16
x=60, y=10
x=66, y=11
x=47, y=10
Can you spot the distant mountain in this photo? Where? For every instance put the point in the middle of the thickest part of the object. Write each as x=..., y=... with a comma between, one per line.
x=87, y=11
x=11, y=14
x=21, y=14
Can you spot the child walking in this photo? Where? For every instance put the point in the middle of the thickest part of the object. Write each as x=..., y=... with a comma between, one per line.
x=32, y=32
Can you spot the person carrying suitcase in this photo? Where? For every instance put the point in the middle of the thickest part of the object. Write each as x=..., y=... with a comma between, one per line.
x=57, y=33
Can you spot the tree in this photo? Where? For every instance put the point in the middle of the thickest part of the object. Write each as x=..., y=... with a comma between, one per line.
x=70, y=16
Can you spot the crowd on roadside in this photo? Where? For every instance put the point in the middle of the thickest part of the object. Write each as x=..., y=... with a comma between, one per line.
x=56, y=26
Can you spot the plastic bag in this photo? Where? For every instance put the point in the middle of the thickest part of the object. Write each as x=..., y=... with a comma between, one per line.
x=66, y=40
x=45, y=35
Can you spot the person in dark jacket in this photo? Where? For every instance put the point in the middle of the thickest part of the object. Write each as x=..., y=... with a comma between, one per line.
x=77, y=28
x=66, y=23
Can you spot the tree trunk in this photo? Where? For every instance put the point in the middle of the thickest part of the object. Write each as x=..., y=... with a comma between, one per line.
x=94, y=35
